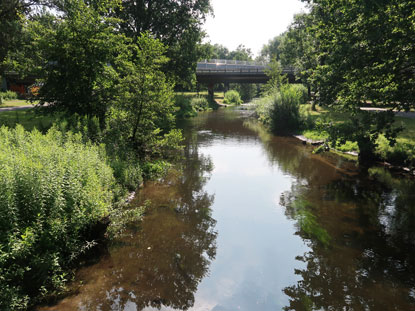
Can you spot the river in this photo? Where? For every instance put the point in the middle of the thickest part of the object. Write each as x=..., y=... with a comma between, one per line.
x=250, y=221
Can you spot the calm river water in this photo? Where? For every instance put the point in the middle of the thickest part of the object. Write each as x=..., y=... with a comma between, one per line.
x=255, y=222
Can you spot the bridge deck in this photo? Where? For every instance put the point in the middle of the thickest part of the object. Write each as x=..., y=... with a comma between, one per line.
x=220, y=71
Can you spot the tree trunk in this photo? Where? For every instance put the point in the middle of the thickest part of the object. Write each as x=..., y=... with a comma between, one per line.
x=366, y=152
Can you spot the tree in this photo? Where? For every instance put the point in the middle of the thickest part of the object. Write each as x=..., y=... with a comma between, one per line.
x=177, y=24
x=272, y=50
x=10, y=26
x=298, y=49
x=241, y=53
x=365, y=55
x=217, y=51
x=145, y=109
x=276, y=78
x=79, y=76
x=14, y=14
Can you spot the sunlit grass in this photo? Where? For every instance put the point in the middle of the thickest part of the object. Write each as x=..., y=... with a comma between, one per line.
x=16, y=103
x=402, y=153
x=27, y=118
x=218, y=96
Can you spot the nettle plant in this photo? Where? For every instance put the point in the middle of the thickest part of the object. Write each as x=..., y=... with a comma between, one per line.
x=53, y=189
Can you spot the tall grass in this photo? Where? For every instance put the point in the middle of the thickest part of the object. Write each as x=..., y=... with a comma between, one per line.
x=280, y=110
x=232, y=97
x=53, y=188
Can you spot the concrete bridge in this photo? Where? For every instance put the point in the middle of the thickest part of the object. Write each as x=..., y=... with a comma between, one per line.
x=225, y=71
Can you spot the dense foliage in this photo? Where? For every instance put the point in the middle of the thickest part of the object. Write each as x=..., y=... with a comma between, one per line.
x=232, y=97
x=189, y=105
x=177, y=24
x=114, y=99
x=365, y=51
x=8, y=95
x=352, y=54
x=81, y=52
x=53, y=189
x=280, y=109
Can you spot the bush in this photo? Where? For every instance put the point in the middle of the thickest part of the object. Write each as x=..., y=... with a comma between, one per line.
x=402, y=153
x=184, y=108
x=199, y=103
x=53, y=189
x=247, y=91
x=188, y=106
x=232, y=98
x=127, y=172
x=8, y=95
x=280, y=111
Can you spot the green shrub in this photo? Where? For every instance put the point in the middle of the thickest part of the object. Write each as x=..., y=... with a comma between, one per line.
x=247, y=91
x=188, y=106
x=8, y=95
x=53, y=189
x=301, y=91
x=402, y=153
x=280, y=111
x=232, y=98
x=200, y=103
x=184, y=108
x=127, y=172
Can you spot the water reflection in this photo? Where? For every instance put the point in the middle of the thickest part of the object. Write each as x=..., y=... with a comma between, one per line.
x=297, y=231
x=370, y=263
x=360, y=227
x=162, y=262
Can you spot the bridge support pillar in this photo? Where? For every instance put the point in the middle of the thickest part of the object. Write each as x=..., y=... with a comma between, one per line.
x=226, y=86
x=211, y=92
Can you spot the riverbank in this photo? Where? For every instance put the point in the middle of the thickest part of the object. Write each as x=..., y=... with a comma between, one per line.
x=65, y=183
x=249, y=222
x=402, y=154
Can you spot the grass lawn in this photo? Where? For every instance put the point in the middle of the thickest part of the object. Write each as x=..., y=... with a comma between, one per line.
x=402, y=152
x=325, y=115
x=16, y=103
x=218, y=95
x=408, y=133
x=27, y=118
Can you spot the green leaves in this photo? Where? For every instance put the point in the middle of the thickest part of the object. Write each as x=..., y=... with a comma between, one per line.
x=365, y=56
x=232, y=97
x=53, y=187
x=80, y=75
x=177, y=24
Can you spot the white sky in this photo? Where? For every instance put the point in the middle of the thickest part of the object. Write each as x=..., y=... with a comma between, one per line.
x=249, y=22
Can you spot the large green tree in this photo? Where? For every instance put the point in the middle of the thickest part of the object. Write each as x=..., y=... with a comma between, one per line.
x=272, y=50
x=79, y=75
x=299, y=49
x=14, y=15
x=178, y=24
x=144, y=111
x=11, y=13
x=365, y=55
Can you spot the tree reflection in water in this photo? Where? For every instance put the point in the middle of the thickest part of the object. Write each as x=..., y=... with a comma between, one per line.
x=162, y=262
x=369, y=219
x=370, y=263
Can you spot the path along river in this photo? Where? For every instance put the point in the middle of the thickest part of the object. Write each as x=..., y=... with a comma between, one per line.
x=256, y=222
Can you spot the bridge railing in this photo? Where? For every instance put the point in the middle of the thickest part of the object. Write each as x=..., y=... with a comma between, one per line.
x=222, y=66
x=233, y=62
